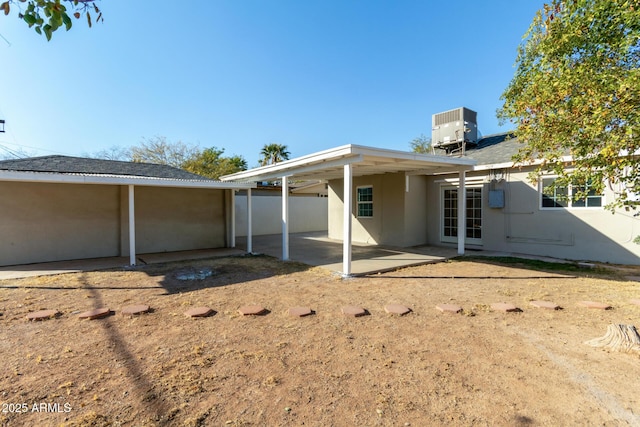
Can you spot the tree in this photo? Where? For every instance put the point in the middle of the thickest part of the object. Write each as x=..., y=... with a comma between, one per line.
x=273, y=153
x=210, y=163
x=47, y=16
x=576, y=92
x=421, y=144
x=161, y=151
x=114, y=152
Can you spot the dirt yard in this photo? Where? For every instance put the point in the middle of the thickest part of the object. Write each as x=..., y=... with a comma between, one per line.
x=480, y=367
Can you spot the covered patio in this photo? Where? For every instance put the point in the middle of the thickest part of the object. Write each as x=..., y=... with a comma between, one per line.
x=312, y=248
x=316, y=249
x=345, y=163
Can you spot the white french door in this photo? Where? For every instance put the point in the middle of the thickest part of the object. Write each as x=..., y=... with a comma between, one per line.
x=449, y=215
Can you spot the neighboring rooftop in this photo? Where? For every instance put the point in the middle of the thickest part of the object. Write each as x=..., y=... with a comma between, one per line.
x=81, y=165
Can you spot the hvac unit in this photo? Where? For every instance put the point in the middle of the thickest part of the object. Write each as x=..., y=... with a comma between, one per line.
x=453, y=129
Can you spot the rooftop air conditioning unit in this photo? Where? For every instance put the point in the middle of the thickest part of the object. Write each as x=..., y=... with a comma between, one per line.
x=452, y=129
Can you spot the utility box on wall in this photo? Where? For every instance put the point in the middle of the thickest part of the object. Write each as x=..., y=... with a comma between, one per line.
x=496, y=199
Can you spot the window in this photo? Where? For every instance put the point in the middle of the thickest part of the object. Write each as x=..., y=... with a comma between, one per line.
x=364, y=197
x=562, y=197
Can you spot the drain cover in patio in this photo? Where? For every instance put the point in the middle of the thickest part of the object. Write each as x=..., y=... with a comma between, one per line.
x=545, y=304
x=42, y=315
x=97, y=313
x=133, y=310
x=397, y=309
x=449, y=308
x=353, y=311
x=300, y=311
x=198, y=312
x=252, y=310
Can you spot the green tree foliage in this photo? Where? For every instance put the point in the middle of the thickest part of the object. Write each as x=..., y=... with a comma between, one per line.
x=47, y=16
x=210, y=163
x=273, y=153
x=576, y=92
x=421, y=144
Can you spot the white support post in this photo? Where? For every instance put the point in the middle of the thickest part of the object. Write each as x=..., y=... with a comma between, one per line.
x=232, y=237
x=346, y=222
x=285, y=218
x=249, y=230
x=462, y=211
x=132, y=227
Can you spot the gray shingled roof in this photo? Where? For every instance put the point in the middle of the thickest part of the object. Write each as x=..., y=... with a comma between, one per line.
x=494, y=149
x=498, y=148
x=86, y=166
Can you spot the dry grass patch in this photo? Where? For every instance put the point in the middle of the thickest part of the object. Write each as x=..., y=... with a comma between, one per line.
x=424, y=368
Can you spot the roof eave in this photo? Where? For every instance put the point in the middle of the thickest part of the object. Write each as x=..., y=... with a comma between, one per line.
x=343, y=155
x=61, y=178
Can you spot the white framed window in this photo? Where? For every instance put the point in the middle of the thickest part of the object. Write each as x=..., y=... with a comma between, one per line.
x=561, y=197
x=364, y=199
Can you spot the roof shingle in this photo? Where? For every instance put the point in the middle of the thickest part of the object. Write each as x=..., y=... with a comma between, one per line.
x=81, y=165
x=494, y=149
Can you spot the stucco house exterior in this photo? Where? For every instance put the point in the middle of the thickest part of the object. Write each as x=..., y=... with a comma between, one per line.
x=394, y=212
x=55, y=208
x=505, y=212
x=403, y=199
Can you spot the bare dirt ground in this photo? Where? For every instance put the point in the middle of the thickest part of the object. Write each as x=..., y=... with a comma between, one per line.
x=480, y=367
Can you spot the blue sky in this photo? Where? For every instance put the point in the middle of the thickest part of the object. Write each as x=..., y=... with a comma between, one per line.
x=238, y=74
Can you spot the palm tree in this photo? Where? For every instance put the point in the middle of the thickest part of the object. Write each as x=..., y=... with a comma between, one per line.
x=273, y=153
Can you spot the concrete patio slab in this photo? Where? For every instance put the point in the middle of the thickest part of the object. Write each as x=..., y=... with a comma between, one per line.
x=315, y=248
x=94, y=264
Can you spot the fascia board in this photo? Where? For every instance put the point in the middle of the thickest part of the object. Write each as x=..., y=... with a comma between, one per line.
x=404, y=155
x=279, y=169
x=307, y=169
x=45, y=177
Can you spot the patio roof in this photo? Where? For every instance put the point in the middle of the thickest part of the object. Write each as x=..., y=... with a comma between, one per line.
x=329, y=164
x=346, y=162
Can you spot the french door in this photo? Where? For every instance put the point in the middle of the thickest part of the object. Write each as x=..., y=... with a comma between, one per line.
x=449, y=215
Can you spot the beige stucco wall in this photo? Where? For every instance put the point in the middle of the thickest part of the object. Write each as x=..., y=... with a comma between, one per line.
x=399, y=216
x=523, y=227
x=52, y=222
x=55, y=222
x=305, y=214
x=175, y=219
x=417, y=212
x=412, y=216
